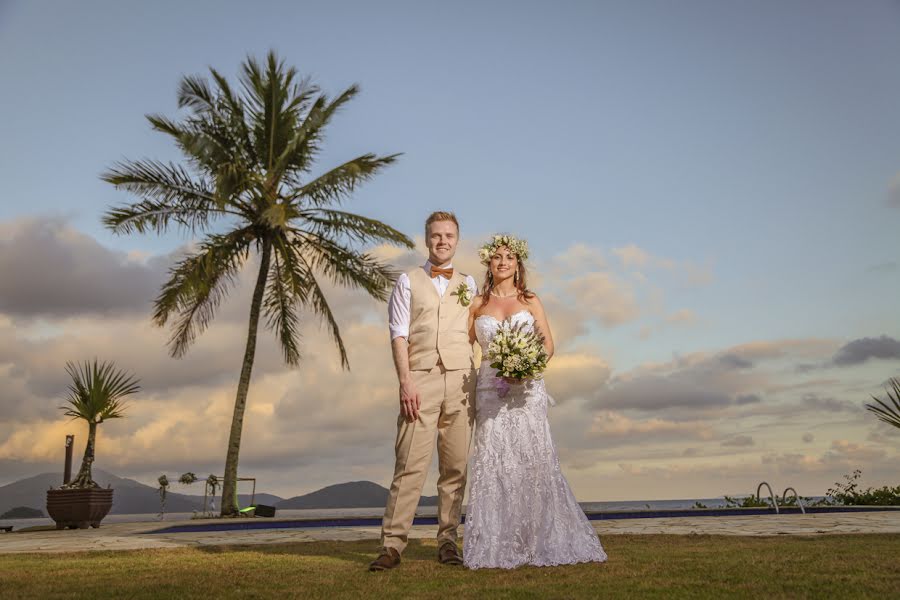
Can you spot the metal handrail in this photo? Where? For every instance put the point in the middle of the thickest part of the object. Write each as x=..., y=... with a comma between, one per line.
x=796, y=495
x=771, y=495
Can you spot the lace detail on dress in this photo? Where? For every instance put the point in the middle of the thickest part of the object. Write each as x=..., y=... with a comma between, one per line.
x=521, y=509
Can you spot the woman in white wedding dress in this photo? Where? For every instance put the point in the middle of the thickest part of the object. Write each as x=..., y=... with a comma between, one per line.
x=521, y=510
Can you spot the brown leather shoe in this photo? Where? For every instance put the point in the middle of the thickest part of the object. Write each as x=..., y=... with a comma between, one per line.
x=388, y=559
x=448, y=554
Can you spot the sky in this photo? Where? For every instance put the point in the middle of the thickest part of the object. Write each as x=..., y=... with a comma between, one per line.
x=711, y=193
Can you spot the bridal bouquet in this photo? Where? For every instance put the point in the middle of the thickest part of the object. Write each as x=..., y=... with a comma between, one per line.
x=517, y=352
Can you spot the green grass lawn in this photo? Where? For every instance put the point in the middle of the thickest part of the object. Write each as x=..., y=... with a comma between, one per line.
x=640, y=566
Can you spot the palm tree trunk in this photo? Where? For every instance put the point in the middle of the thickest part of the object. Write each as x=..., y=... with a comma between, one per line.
x=84, y=479
x=229, y=485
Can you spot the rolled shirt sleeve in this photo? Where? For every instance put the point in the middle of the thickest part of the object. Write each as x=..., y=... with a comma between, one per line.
x=398, y=308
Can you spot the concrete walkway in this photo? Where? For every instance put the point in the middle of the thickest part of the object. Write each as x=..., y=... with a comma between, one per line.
x=133, y=536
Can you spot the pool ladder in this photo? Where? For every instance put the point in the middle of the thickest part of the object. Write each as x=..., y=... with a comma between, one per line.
x=774, y=499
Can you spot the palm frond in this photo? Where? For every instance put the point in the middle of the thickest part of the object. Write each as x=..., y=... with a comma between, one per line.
x=197, y=285
x=194, y=92
x=97, y=390
x=165, y=125
x=269, y=91
x=314, y=298
x=297, y=157
x=888, y=410
x=171, y=196
x=344, y=266
x=235, y=111
x=338, y=183
x=292, y=149
x=334, y=224
x=279, y=305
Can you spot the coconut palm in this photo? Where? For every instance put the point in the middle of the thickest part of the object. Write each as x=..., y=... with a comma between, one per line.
x=249, y=154
x=889, y=413
x=95, y=395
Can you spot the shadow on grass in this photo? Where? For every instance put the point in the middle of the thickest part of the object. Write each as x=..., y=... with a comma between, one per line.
x=360, y=552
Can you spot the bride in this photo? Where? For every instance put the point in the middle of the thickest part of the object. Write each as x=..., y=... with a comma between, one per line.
x=521, y=510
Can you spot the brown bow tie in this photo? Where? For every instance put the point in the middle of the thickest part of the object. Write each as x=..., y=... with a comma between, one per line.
x=435, y=271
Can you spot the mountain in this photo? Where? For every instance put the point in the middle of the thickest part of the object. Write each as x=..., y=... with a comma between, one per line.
x=130, y=497
x=22, y=512
x=355, y=494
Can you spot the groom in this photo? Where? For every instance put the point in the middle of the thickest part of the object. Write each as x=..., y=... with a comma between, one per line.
x=428, y=318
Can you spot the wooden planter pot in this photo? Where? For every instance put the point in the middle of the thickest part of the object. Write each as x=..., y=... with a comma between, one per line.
x=79, y=508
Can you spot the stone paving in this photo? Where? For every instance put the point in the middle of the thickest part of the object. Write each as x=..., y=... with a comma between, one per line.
x=133, y=536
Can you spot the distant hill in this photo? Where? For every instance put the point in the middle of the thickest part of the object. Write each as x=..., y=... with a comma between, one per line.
x=130, y=497
x=22, y=512
x=355, y=494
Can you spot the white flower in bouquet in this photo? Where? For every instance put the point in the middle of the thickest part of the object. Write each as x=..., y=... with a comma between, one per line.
x=517, y=352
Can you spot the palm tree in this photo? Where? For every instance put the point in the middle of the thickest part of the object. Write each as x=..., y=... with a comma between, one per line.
x=884, y=411
x=95, y=395
x=249, y=155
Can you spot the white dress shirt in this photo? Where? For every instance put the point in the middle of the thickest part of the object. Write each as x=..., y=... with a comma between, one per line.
x=398, y=305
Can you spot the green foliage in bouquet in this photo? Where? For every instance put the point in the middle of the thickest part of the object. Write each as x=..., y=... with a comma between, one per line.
x=517, y=351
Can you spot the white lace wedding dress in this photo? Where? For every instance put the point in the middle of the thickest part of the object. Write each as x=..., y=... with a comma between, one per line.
x=521, y=510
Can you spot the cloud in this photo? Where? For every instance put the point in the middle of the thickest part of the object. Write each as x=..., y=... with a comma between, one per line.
x=829, y=404
x=633, y=257
x=685, y=315
x=576, y=373
x=860, y=350
x=739, y=441
x=733, y=361
x=703, y=381
x=61, y=272
x=845, y=451
x=808, y=438
x=602, y=295
x=893, y=193
x=579, y=258
x=611, y=424
x=316, y=424
x=655, y=392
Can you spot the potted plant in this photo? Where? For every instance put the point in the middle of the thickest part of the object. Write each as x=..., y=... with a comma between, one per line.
x=95, y=395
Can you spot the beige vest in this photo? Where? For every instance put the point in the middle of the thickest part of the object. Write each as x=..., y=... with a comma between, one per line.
x=438, y=326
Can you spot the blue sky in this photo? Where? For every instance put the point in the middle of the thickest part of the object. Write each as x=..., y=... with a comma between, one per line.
x=753, y=142
x=761, y=138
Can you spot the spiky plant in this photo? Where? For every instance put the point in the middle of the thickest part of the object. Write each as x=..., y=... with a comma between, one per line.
x=95, y=395
x=248, y=156
x=889, y=409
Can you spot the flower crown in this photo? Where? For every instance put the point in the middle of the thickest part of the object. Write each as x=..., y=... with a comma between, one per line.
x=515, y=245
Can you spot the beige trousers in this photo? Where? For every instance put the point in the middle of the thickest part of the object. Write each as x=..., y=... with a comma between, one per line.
x=446, y=410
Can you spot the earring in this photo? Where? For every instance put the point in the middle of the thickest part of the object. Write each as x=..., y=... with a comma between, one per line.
x=516, y=277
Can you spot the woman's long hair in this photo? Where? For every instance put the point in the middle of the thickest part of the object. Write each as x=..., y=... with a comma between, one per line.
x=524, y=294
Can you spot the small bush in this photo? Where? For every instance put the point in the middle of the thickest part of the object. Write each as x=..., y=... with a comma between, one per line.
x=849, y=493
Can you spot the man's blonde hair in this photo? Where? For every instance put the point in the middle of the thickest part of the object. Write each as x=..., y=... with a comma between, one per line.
x=440, y=215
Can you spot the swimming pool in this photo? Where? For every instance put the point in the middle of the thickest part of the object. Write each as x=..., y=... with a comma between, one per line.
x=264, y=523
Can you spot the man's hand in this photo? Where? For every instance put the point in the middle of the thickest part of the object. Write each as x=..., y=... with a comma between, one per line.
x=409, y=401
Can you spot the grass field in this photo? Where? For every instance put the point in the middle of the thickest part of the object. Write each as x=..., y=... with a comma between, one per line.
x=644, y=566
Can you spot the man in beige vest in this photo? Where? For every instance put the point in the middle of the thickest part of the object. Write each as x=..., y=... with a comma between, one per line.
x=428, y=317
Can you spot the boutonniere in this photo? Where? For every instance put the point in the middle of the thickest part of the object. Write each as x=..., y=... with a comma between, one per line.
x=463, y=294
